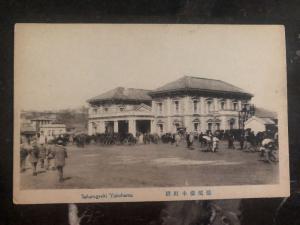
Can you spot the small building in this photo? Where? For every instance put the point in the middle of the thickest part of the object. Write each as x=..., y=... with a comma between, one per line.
x=27, y=131
x=42, y=120
x=50, y=131
x=260, y=124
x=121, y=110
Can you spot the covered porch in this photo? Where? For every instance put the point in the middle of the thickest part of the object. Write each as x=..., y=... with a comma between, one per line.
x=122, y=126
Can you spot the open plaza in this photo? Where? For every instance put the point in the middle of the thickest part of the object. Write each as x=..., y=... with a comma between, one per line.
x=189, y=108
x=153, y=165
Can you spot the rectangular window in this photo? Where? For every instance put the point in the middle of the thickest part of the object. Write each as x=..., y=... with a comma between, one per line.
x=95, y=111
x=234, y=106
x=208, y=106
x=209, y=126
x=105, y=109
x=176, y=106
x=161, y=128
x=195, y=126
x=195, y=106
x=222, y=105
x=159, y=107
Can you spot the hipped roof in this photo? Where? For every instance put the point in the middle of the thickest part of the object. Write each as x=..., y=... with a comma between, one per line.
x=27, y=128
x=264, y=113
x=121, y=93
x=189, y=83
x=265, y=121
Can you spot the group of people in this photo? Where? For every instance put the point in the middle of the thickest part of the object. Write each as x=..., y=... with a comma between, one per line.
x=246, y=140
x=49, y=156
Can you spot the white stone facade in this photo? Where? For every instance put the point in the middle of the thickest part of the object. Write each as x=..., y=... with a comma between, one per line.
x=190, y=103
x=52, y=130
x=196, y=114
x=167, y=114
x=109, y=117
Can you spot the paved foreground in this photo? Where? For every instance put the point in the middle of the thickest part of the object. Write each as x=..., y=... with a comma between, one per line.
x=153, y=165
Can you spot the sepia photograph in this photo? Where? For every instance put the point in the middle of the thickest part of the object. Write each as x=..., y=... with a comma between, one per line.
x=149, y=112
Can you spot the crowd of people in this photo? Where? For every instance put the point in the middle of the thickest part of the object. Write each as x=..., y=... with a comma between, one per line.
x=264, y=142
x=51, y=155
x=43, y=156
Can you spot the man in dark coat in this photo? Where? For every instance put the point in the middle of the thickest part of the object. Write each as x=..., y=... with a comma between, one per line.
x=42, y=155
x=34, y=157
x=49, y=156
x=23, y=155
x=188, y=140
x=60, y=154
x=231, y=142
x=242, y=141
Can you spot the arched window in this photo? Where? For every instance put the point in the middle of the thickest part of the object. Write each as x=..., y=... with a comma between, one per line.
x=231, y=123
x=160, y=126
x=209, y=126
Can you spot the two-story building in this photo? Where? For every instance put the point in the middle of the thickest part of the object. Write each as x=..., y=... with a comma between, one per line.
x=121, y=110
x=37, y=122
x=198, y=104
x=190, y=103
x=52, y=130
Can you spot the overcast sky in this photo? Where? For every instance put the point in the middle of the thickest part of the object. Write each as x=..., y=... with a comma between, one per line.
x=61, y=66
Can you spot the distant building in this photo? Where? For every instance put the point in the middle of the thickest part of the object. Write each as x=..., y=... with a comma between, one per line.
x=257, y=124
x=27, y=131
x=42, y=120
x=190, y=103
x=50, y=131
x=262, y=120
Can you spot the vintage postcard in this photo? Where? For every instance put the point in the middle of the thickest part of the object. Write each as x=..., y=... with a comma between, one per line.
x=149, y=112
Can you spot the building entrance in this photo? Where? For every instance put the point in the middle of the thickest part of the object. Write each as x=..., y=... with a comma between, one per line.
x=143, y=126
x=123, y=127
x=109, y=127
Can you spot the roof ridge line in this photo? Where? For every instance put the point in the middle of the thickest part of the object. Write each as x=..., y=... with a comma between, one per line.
x=204, y=78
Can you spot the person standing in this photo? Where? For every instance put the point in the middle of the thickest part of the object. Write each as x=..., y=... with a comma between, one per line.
x=42, y=155
x=49, y=156
x=191, y=139
x=187, y=138
x=215, y=144
x=201, y=139
x=23, y=154
x=34, y=156
x=242, y=141
x=231, y=142
x=177, y=139
x=60, y=155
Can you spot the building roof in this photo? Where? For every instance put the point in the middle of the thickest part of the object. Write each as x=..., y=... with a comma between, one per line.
x=53, y=125
x=121, y=93
x=265, y=121
x=264, y=113
x=27, y=128
x=189, y=83
x=42, y=118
